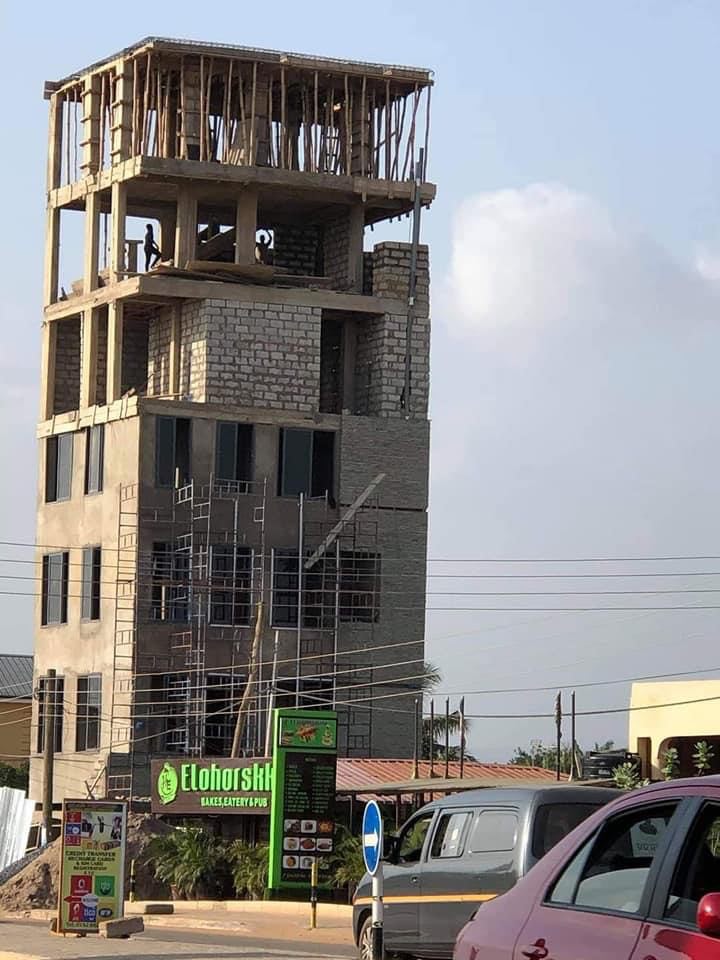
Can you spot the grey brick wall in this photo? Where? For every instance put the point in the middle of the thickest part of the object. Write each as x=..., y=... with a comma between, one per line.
x=67, y=365
x=336, y=251
x=391, y=274
x=298, y=250
x=101, y=373
x=380, y=366
x=398, y=448
x=251, y=354
x=159, y=354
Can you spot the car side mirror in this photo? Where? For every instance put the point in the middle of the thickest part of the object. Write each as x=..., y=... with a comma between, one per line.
x=390, y=849
x=708, y=915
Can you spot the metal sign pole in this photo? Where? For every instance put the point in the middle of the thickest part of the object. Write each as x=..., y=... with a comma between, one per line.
x=372, y=847
x=377, y=914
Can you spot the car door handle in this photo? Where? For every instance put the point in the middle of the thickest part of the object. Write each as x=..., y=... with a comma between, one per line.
x=536, y=951
x=413, y=879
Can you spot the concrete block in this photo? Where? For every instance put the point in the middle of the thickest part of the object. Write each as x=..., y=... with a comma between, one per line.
x=159, y=909
x=121, y=928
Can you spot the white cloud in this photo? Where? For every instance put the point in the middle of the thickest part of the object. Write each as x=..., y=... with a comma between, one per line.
x=576, y=409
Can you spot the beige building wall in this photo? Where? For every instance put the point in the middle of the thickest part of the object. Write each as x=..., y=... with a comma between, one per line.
x=697, y=715
x=15, y=718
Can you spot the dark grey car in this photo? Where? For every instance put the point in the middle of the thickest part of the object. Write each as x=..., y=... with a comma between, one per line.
x=458, y=852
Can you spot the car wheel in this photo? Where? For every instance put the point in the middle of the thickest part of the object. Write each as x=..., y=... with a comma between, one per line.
x=365, y=941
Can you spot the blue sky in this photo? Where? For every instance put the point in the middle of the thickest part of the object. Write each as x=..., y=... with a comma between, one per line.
x=575, y=248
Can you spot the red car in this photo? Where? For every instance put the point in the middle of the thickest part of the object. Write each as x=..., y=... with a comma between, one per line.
x=638, y=880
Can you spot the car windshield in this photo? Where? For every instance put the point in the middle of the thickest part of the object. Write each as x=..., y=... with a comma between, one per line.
x=553, y=821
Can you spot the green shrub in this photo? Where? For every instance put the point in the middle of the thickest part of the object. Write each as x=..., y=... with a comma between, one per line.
x=191, y=861
x=249, y=869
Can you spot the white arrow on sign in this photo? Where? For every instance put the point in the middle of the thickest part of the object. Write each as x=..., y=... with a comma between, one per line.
x=371, y=839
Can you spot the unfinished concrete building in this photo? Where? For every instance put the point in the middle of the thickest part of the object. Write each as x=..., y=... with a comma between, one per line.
x=233, y=431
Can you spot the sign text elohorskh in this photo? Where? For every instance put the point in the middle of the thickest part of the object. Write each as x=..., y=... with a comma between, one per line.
x=181, y=785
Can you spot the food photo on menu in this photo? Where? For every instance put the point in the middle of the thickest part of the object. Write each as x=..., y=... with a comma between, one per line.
x=291, y=843
x=309, y=826
x=291, y=863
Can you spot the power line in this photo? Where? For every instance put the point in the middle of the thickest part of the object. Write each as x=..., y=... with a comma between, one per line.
x=606, y=559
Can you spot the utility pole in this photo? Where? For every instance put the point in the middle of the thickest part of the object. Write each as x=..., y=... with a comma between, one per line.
x=575, y=766
x=462, y=737
x=50, y=705
x=558, y=731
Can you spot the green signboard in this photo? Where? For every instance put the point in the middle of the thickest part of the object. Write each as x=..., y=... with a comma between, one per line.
x=302, y=820
x=218, y=786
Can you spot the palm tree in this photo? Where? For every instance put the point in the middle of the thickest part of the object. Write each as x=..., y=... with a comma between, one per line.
x=434, y=730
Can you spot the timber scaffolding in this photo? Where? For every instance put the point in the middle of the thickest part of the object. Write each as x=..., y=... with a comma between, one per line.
x=210, y=578
x=210, y=103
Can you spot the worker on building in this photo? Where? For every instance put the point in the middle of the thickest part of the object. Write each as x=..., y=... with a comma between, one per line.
x=151, y=248
x=263, y=253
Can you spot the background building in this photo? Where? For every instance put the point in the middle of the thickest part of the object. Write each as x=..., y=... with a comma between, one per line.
x=16, y=696
x=693, y=718
x=238, y=413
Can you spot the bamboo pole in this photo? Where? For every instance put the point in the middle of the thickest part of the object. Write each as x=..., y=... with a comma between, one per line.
x=284, y=139
x=410, y=149
x=101, y=126
x=226, y=118
x=253, y=139
x=208, y=94
x=348, y=129
x=246, y=134
x=158, y=119
x=135, y=109
x=182, y=152
x=363, y=119
x=315, y=138
x=146, y=103
x=427, y=132
x=202, y=107
x=387, y=130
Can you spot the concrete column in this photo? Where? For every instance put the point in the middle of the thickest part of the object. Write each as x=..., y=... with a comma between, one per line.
x=114, y=350
x=186, y=227
x=246, y=226
x=92, y=238
x=88, y=360
x=349, y=348
x=54, y=166
x=166, y=241
x=117, y=239
x=47, y=370
x=52, y=255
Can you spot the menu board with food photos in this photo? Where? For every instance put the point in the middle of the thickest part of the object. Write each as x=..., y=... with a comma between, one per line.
x=302, y=821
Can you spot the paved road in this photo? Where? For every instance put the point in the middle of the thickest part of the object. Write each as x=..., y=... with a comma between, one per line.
x=22, y=939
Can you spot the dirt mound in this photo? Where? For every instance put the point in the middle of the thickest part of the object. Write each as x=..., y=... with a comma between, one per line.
x=36, y=886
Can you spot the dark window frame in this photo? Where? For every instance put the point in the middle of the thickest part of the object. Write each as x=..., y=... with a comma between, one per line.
x=177, y=433
x=170, y=583
x=94, y=459
x=241, y=437
x=59, y=450
x=52, y=576
x=90, y=594
x=319, y=470
x=89, y=712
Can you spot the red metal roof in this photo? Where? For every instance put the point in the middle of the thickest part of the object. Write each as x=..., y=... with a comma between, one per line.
x=354, y=773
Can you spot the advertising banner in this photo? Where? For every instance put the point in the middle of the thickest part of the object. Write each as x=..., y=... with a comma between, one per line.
x=92, y=864
x=302, y=821
x=187, y=786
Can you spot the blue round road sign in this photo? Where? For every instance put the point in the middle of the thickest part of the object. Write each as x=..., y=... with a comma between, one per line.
x=372, y=837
